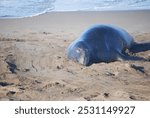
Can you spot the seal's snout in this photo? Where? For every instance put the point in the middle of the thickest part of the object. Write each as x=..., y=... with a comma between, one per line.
x=82, y=56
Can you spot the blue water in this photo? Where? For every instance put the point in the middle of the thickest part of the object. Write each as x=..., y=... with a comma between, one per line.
x=28, y=8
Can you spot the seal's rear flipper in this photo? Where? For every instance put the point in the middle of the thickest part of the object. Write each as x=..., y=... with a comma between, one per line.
x=130, y=58
x=140, y=47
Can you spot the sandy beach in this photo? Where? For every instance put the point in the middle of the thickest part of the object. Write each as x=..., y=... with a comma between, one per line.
x=33, y=63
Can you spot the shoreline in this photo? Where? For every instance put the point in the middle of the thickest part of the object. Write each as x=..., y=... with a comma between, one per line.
x=102, y=11
x=36, y=48
x=45, y=12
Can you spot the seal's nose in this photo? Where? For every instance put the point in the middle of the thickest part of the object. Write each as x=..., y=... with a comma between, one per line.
x=81, y=56
x=78, y=52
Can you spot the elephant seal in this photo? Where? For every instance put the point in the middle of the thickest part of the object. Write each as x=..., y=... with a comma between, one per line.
x=101, y=43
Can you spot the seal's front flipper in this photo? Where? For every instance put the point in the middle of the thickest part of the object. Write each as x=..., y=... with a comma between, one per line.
x=140, y=47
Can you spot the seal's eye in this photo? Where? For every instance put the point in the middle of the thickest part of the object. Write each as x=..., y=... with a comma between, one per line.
x=78, y=50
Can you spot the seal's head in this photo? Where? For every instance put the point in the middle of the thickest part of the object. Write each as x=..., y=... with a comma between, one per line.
x=79, y=52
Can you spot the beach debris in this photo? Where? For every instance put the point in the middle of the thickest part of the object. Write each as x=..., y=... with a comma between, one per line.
x=3, y=84
x=110, y=74
x=34, y=66
x=87, y=98
x=106, y=95
x=59, y=67
x=138, y=68
x=46, y=33
x=132, y=97
x=26, y=70
x=11, y=93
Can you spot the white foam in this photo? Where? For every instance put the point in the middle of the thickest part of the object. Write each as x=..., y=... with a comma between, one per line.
x=29, y=8
x=100, y=5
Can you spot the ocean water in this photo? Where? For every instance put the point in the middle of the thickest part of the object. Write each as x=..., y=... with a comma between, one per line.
x=29, y=8
x=100, y=5
x=24, y=8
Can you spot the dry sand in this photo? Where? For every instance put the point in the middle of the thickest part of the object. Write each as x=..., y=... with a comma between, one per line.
x=33, y=64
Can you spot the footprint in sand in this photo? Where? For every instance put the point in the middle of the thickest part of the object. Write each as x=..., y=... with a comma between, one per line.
x=10, y=60
x=55, y=84
x=89, y=98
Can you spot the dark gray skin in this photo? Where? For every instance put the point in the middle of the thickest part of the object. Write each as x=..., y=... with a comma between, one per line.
x=101, y=43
